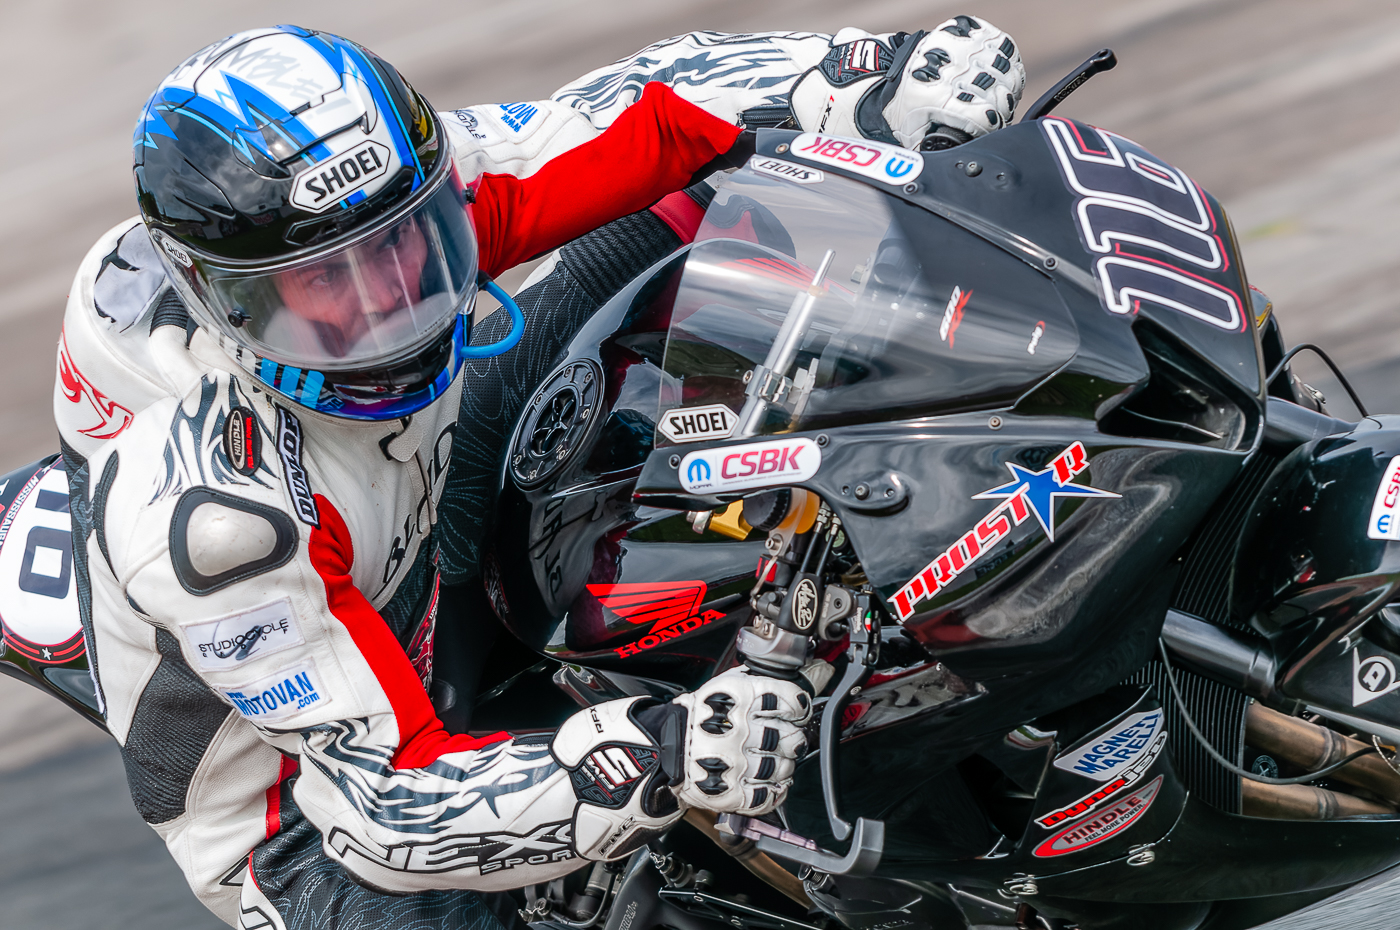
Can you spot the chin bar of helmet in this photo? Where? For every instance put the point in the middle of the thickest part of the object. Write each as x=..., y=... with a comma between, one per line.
x=517, y=326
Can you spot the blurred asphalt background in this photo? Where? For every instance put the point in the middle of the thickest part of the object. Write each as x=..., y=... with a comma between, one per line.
x=1286, y=112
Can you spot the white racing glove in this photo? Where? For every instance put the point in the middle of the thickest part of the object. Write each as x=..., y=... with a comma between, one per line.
x=729, y=746
x=742, y=740
x=962, y=80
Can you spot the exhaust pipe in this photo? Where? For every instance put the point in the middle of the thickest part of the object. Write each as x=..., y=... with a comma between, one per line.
x=1313, y=747
x=1303, y=802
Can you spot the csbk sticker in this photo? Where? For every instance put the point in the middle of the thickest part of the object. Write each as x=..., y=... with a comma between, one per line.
x=1101, y=758
x=1107, y=823
x=754, y=465
x=671, y=607
x=887, y=163
x=1030, y=493
x=1385, y=511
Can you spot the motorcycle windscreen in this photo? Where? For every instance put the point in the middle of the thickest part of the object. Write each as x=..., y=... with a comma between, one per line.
x=807, y=306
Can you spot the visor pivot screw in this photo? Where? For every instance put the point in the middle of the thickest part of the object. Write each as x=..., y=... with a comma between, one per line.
x=972, y=169
x=911, y=188
x=675, y=461
x=994, y=423
x=862, y=492
x=782, y=148
x=1051, y=262
x=237, y=317
x=823, y=439
x=748, y=376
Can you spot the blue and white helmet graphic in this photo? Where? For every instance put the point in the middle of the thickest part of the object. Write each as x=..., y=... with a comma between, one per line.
x=304, y=200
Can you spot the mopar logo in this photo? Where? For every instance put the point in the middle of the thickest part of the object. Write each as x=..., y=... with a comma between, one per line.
x=898, y=167
x=698, y=470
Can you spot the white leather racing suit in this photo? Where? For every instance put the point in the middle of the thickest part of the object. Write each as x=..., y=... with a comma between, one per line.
x=259, y=603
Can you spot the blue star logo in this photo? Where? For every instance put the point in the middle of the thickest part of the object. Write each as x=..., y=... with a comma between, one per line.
x=1040, y=489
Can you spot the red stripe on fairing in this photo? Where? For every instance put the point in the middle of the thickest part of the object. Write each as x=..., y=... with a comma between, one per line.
x=273, y=822
x=422, y=737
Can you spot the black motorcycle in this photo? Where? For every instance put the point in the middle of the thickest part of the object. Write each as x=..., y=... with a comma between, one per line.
x=997, y=446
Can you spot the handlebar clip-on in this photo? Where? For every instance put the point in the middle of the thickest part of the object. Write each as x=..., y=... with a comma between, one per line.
x=777, y=643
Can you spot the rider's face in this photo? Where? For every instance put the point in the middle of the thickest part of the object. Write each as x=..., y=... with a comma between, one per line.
x=349, y=291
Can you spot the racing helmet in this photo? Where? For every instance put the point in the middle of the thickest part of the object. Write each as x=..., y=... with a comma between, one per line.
x=305, y=203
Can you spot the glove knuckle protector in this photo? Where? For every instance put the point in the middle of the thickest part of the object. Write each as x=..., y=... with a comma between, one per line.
x=966, y=75
x=742, y=741
x=962, y=80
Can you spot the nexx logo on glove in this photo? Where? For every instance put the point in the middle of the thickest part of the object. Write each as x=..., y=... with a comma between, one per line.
x=887, y=163
x=754, y=465
x=279, y=696
x=230, y=641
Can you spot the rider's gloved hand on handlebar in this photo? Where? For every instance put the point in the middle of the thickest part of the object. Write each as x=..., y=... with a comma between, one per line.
x=742, y=741
x=926, y=90
x=636, y=765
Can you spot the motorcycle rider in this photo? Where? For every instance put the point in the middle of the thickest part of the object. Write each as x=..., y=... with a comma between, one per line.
x=274, y=359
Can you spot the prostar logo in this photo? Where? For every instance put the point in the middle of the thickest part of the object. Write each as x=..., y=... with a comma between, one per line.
x=1029, y=493
x=671, y=607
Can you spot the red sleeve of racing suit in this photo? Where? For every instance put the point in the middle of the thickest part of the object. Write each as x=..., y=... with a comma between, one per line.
x=652, y=149
x=422, y=738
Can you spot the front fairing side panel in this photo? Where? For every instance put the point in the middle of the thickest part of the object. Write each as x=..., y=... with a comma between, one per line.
x=999, y=613
x=1307, y=573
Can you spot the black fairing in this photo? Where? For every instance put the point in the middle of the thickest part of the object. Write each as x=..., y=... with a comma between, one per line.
x=1167, y=408
x=1309, y=576
x=1163, y=407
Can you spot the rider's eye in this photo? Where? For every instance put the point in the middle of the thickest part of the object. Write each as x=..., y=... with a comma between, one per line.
x=324, y=279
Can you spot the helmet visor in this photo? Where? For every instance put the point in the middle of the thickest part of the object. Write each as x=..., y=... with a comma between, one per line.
x=371, y=302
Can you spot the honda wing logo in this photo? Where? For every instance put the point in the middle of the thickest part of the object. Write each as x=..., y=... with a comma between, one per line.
x=671, y=607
